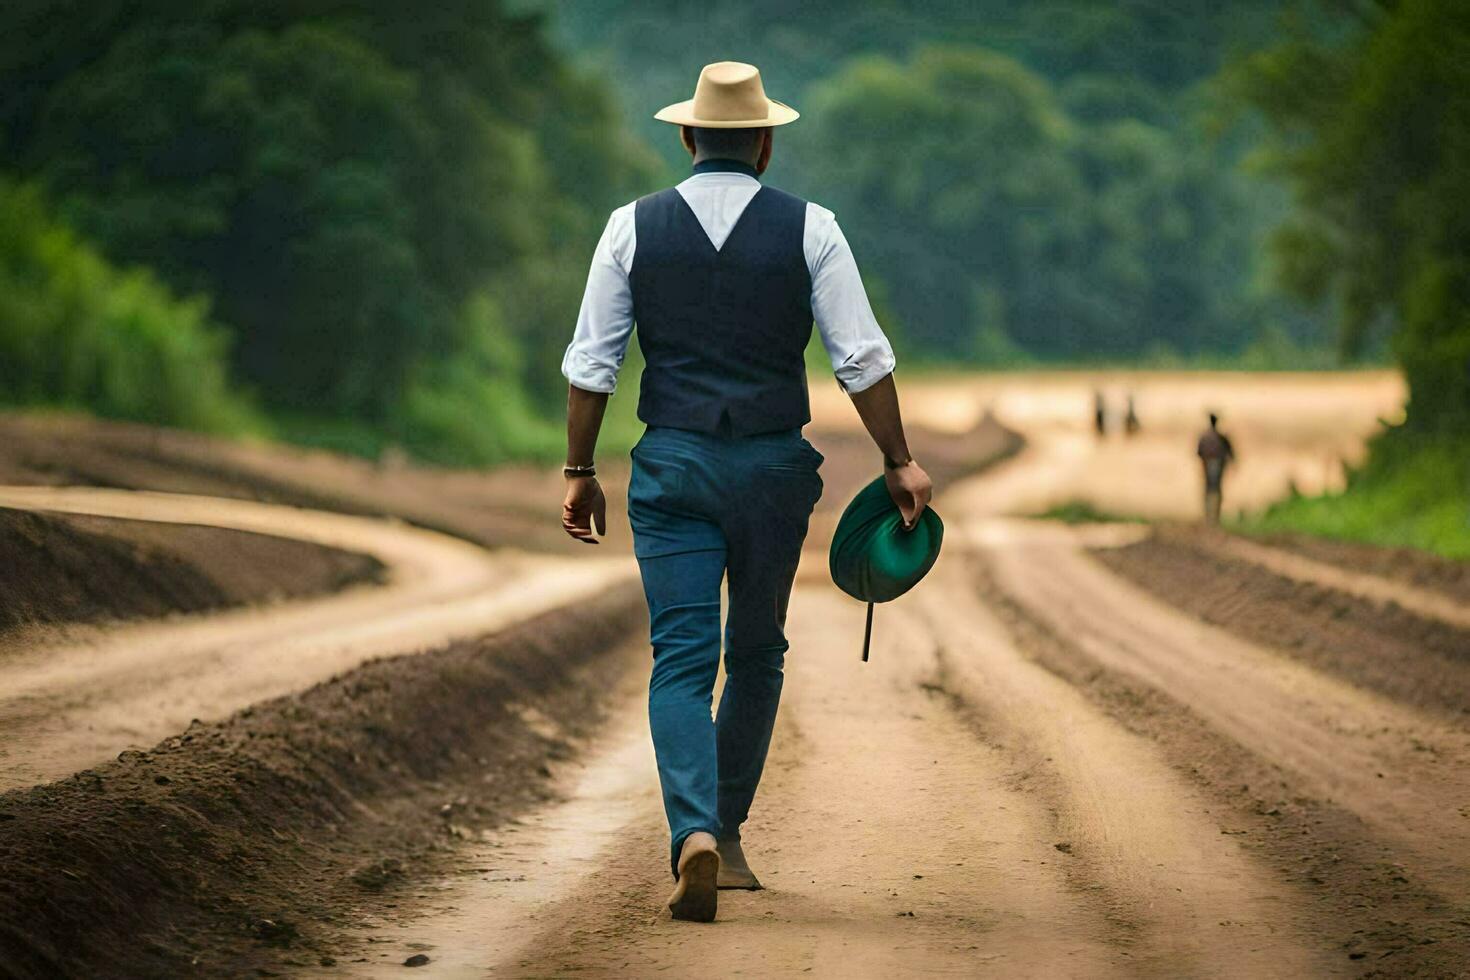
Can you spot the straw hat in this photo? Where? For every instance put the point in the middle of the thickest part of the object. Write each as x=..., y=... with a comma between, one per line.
x=729, y=96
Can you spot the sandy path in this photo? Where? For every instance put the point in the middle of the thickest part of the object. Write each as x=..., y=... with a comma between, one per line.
x=1190, y=901
x=950, y=809
x=76, y=697
x=894, y=836
x=940, y=779
x=1288, y=429
x=1406, y=775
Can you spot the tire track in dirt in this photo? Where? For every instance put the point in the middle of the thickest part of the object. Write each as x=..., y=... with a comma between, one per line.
x=1383, y=648
x=87, y=694
x=1403, y=773
x=1374, y=588
x=894, y=839
x=1362, y=902
x=1136, y=832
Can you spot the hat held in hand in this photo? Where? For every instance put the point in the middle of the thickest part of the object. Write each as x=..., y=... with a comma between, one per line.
x=873, y=558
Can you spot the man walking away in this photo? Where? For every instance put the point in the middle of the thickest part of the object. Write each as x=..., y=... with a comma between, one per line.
x=1216, y=453
x=724, y=278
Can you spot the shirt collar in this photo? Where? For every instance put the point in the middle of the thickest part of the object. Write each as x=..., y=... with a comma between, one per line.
x=725, y=167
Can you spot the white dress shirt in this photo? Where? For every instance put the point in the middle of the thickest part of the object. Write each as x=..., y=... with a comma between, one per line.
x=860, y=353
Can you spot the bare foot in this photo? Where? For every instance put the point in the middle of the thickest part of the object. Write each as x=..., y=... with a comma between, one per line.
x=696, y=895
x=734, y=871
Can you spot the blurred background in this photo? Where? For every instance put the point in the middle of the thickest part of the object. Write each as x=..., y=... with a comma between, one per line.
x=365, y=226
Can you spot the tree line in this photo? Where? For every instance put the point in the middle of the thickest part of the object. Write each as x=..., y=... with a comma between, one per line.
x=1055, y=180
x=379, y=201
x=366, y=221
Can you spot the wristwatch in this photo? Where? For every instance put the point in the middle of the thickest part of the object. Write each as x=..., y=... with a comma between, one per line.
x=571, y=471
x=896, y=464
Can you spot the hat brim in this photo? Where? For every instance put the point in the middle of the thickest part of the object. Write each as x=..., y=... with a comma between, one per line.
x=682, y=114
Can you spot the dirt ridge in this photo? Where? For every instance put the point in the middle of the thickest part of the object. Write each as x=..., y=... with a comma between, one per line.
x=214, y=853
x=72, y=569
x=1362, y=899
x=1383, y=647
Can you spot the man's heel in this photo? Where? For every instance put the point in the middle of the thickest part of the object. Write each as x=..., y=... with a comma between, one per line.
x=696, y=897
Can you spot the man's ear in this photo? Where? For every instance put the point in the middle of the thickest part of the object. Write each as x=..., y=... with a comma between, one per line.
x=767, y=145
x=686, y=136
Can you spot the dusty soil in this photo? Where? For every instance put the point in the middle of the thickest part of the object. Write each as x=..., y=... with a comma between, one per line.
x=365, y=819
x=1354, y=891
x=71, y=569
x=73, y=697
x=897, y=834
x=1046, y=770
x=506, y=506
x=1382, y=647
x=244, y=845
x=1406, y=565
x=516, y=505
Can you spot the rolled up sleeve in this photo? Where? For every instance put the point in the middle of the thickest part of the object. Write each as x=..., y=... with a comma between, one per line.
x=860, y=353
x=605, y=321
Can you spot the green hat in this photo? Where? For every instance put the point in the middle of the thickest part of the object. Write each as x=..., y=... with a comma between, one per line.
x=873, y=558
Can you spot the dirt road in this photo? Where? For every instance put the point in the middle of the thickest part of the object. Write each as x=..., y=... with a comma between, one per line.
x=1047, y=770
x=904, y=831
x=84, y=695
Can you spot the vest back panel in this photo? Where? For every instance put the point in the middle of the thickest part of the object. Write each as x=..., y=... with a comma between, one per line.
x=723, y=331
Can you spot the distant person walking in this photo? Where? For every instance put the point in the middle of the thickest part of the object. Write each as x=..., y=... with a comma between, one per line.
x=1131, y=424
x=1215, y=453
x=724, y=278
x=1099, y=412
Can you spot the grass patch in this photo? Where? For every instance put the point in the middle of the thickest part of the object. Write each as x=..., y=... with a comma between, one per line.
x=1083, y=512
x=1414, y=492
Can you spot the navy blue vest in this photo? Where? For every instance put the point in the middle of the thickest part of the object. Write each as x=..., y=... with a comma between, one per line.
x=722, y=331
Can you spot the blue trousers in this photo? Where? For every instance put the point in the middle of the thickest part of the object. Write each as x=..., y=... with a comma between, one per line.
x=706, y=508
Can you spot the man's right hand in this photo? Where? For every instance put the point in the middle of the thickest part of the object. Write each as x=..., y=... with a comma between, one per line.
x=910, y=488
x=584, y=507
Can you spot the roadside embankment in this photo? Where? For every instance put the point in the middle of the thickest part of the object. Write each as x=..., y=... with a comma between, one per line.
x=1347, y=784
x=239, y=845
x=1384, y=645
x=509, y=506
x=1409, y=566
x=494, y=508
x=77, y=569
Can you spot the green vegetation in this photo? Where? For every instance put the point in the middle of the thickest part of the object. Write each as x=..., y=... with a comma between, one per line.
x=1372, y=130
x=1027, y=182
x=1083, y=512
x=381, y=214
x=383, y=202
x=1414, y=492
x=81, y=333
x=1373, y=133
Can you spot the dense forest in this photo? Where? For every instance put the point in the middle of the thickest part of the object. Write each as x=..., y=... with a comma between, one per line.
x=1370, y=126
x=379, y=203
x=355, y=222
x=1047, y=180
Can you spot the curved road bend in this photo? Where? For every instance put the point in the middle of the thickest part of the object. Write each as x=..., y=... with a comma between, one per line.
x=955, y=806
x=76, y=700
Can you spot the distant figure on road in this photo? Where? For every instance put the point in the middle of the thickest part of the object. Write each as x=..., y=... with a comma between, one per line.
x=724, y=278
x=1099, y=412
x=1215, y=453
x=1131, y=424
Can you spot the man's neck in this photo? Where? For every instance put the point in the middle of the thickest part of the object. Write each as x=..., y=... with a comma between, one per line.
x=718, y=165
